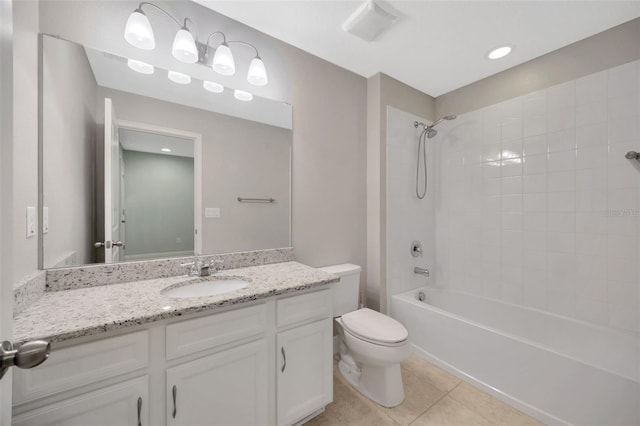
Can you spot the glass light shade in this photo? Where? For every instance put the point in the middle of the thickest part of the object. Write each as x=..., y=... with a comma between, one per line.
x=257, y=74
x=213, y=87
x=223, y=61
x=138, y=31
x=178, y=77
x=184, y=47
x=242, y=95
x=139, y=66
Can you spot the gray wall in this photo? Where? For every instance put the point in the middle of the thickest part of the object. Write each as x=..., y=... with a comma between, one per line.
x=240, y=158
x=25, y=133
x=383, y=91
x=158, y=201
x=68, y=146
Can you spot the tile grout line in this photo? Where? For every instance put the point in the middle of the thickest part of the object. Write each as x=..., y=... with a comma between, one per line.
x=435, y=402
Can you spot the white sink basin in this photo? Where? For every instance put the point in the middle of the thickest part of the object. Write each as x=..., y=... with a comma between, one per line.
x=205, y=286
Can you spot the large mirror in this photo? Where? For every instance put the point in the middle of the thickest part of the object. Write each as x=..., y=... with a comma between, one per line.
x=136, y=166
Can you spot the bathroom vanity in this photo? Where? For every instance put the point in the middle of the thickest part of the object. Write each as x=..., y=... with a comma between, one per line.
x=127, y=354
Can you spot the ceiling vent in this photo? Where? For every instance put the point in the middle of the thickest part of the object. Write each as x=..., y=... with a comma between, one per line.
x=369, y=21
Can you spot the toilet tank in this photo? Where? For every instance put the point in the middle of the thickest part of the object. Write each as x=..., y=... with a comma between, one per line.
x=347, y=291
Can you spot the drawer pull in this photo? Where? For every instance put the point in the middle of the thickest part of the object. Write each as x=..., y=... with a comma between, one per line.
x=284, y=359
x=174, y=392
x=139, y=411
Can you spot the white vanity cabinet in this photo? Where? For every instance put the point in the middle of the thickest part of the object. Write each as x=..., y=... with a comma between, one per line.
x=305, y=356
x=76, y=385
x=123, y=404
x=226, y=368
x=228, y=388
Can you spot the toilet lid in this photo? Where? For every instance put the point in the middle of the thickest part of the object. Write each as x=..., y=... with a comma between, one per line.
x=374, y=326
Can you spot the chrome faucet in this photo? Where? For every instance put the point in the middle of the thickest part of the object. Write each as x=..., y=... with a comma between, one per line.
x=202, y=268
x=421, y=271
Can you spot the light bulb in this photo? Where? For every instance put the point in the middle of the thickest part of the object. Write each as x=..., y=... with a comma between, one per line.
x=184, y=47
x=223, y=60
x=242, y=95
x=139, y=66
x=178, y=77
x=213, y=87
x=138, y=31
x=257, y=74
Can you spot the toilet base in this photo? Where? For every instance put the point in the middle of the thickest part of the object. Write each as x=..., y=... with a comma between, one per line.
x=380, y=384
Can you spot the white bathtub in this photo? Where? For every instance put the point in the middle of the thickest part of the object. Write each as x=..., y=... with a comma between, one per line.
x=558, y=369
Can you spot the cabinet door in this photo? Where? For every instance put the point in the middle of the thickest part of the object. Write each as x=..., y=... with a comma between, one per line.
x=123, y=404
x=305, y=373
x=227, y=388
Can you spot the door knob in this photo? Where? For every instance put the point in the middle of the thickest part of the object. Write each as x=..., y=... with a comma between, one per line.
x=117, y=243
x=29, y=355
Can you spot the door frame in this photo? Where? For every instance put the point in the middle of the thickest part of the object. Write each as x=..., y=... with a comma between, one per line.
x=197, y=168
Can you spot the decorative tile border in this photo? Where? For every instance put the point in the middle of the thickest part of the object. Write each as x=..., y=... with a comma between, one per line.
x=27, y=291
x=115, y=273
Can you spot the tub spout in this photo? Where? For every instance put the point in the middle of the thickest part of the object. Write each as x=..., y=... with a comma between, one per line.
x=421, y=271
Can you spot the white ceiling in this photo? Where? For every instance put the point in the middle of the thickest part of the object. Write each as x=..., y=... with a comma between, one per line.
x=436, y=46
x=135, y=140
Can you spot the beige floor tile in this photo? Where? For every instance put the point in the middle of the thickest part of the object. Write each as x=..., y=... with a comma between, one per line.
x=449, y=412
x=419, y=394
x=490, y=408
x=436, y=376
x=350, y=408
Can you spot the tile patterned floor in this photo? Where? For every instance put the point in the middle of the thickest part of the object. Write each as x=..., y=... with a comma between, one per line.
x=433, y=397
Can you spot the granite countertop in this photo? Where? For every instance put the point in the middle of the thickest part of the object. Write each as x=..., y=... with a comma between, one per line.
x=62, y=315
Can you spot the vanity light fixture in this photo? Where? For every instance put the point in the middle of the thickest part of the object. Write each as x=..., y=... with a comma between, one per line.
x=213, y=87
x=165, y=150
x=138, y=33
x=178, y=77
x=139, y=66
x=242, y=95
x=500, y=52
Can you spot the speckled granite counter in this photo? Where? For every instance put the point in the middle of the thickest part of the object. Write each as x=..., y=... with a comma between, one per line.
x=68, y=314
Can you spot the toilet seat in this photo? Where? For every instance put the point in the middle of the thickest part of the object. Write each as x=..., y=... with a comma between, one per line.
x=374, y=327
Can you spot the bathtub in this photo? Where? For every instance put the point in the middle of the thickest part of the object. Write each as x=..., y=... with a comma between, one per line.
x=560, y=370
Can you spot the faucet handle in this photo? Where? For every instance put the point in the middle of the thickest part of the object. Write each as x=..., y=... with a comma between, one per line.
x=215, y=264
x=193, y=267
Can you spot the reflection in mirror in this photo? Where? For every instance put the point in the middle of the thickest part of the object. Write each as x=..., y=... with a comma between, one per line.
x=111, y=193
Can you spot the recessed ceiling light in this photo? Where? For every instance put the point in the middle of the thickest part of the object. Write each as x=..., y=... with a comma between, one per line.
x=178, y=77
x=165, y=150
x=242, y=95
x=213, y=87
x=499, y=52
x=139, y=66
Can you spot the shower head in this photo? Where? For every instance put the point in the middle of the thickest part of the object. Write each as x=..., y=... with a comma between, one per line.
x=431, y=132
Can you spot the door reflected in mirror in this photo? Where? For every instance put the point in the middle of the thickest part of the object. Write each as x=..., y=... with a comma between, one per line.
x=136, y=167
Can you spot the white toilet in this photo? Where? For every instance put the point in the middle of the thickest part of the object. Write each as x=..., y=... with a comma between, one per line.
x=372, y=345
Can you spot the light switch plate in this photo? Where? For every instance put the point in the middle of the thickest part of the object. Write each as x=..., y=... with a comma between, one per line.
x=31, y=222
x=212, y=212
x=45, y=220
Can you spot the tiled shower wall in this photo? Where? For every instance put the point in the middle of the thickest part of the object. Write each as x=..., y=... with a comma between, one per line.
x=408, y=218
x=537, y=205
